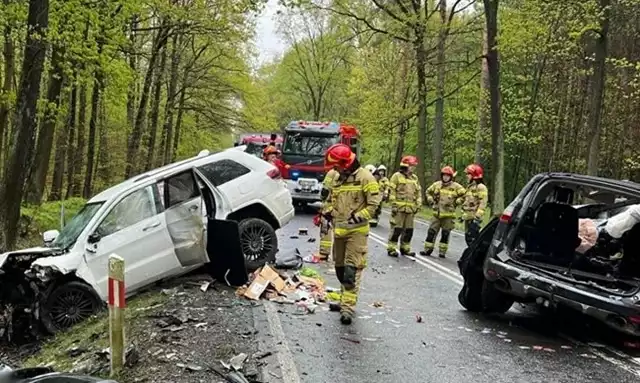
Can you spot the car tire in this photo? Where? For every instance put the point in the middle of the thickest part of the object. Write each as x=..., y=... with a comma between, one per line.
x=494, y=300
x=470, y=296
x=258, y=241
x=79, y=301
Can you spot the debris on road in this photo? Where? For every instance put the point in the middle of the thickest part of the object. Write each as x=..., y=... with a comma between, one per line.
x=291, y=259
x=565, y=347
x=262, y=355
x=378, y=304
x=303, y=231
x=350, y=340
x=311, y=240
x=418, y=318
x=190, y=367
x=588, y=356
x=237, y=362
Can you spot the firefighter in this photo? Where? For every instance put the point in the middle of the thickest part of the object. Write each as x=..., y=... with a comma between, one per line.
x=353, y=199
x=444, y=196
x=270, y=154
x=383, y=182
x=406, y=198
x=326, y=233
x=374, y=221
x=475, y=202
x=370, y=168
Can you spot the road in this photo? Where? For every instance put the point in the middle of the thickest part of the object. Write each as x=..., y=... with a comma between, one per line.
x=387, y=344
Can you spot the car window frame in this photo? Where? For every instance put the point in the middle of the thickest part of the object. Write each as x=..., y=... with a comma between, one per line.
x=113, y=205
x=165, y=186
x=214, y=181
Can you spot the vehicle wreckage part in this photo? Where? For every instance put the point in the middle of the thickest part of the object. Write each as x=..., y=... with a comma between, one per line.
x=259, y=242
x=68, y=304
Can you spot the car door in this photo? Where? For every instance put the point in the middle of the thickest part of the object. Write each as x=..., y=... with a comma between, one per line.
x=183, y=214
x=135, y=229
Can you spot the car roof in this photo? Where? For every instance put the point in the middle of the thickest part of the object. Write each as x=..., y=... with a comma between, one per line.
x=176, y=167
x=626, y=185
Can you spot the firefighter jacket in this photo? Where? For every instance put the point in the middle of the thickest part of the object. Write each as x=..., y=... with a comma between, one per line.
x=445, y=198
x=353, y=202
x=384, y=187
x=327, y=184
x=475, y=201
x=405, y=193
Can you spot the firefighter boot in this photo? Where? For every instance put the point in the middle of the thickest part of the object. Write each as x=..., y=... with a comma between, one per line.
x=392, y=250
x=444, y=244
x=405, y=246
x=429, y=242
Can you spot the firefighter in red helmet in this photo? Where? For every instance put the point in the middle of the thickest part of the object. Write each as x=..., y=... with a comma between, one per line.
x=475, y=202
x=444, y=196
x=405, y=196
x=353, y=199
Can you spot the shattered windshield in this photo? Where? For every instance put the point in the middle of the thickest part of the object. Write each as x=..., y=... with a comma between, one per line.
x=308, y=145
x=72, y=230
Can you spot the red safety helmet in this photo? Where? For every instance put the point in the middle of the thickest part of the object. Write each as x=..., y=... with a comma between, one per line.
x=340, y=156
x=409, y=161
x=475, y=171
x=448, y=170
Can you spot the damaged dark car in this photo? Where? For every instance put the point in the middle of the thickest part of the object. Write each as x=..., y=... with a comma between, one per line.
x=567, y=240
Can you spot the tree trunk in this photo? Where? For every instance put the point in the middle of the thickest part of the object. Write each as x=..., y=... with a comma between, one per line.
x=167, y=129
x=599, y=75
x=78, y=162
x=64, y=148
x=7, y=88
x=38, y=177
x=133, y=144
x=483, y=106
x=155, y=110
x=12, y=189
x=421, y=62
x=497, y=135
x=91, y=146
x=103, y=172
x=176, y=136
x=133, y=65
x=438, y=125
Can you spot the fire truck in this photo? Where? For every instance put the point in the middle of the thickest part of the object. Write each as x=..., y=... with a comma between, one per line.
x=256, y=142
x=303, y=150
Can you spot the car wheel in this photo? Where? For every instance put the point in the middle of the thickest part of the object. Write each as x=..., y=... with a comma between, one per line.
x=259, y=242
x=68, y=305
x=470, y=296
x=494, y=300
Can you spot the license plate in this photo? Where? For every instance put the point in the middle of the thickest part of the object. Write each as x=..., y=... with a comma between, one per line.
x=307, y=184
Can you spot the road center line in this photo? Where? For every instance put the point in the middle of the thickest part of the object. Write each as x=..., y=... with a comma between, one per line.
x=284, y=355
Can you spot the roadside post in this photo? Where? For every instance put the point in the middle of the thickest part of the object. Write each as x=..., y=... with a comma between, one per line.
x=117, y=305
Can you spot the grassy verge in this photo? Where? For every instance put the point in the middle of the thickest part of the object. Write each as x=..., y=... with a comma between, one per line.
x=91, y=335
x=36, y=219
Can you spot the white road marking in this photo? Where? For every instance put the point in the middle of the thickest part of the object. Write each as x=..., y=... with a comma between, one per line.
x=425, y=223
x=457, y=279
x=284, y=355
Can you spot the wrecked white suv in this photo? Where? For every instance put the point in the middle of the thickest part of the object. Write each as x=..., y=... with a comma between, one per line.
x=158, y=223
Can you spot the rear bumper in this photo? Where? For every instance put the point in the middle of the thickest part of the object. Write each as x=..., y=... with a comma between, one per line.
x=527, y=285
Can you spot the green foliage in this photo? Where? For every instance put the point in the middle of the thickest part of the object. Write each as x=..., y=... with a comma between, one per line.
x=35, y=220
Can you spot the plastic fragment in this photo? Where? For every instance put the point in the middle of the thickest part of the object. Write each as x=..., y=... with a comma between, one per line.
x=588, y=356
x=566, y=347
x=549, y=349
x=418, y=318
x=525, y=347
x=350, y=340
x=538, y=348
x=486, y=331
x=507, y=340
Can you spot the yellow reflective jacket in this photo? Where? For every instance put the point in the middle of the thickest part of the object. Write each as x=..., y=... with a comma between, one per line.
x=356, y=196
x=327, y=183
x=445, y=198
x=384, y=186
x=475, y=201
x=405, y=193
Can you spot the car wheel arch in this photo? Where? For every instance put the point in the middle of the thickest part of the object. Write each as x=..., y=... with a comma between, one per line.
x=255, y=210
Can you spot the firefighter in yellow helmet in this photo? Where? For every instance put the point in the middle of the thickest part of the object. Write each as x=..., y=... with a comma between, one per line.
x=326, y=232
x=405, y=196
x=444, y=196
x=475, y=202
x=353, y=199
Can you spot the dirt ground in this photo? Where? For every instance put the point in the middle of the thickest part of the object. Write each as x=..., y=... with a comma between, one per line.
x=177, y=333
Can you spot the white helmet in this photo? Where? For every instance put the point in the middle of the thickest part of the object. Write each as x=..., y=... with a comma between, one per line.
x=382, y=167
x=370, y=168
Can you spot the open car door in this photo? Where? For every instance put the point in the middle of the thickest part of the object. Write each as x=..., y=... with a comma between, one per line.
x=226, y=259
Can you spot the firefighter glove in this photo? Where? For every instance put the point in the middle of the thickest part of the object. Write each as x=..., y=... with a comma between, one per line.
x=355, y=218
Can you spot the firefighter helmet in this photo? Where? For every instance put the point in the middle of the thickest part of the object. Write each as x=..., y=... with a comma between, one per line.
x=382, y=167
x=370, y=168
x=475, y=171
x=340, y=156
x=270, y=150
x=409, y=161
x=448, y=170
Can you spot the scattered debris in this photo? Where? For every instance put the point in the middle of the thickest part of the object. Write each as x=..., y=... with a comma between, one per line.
x=549, y=349
x=303, y=231
x=289, y=260
x=418, y=318
x=468, y=329
x=597, y=345
x=76, y=351
x=311, y=240
x=275, y=375
x=566, y=347
x=262, y=355
x=525, y=348
x=370, y=339
x=588, y=356
x=190, y=367
x=294, y=237
x=237, y=362
x=507, y=340
x=378, y=304
x=205, y=286
x=486, y=331
x=538, y=348
x=350, y=340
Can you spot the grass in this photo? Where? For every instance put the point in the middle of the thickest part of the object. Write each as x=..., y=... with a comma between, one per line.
x=36, y=219
x=92, y=334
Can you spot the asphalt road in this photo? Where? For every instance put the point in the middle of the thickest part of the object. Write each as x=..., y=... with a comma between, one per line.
x=388, y=344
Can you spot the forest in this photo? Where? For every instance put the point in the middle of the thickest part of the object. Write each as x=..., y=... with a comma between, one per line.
x=95, y=91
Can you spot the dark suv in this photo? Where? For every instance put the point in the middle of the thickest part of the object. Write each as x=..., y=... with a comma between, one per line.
x=539, y=251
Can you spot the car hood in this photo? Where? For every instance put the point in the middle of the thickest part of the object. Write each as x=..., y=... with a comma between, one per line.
x=37, y=252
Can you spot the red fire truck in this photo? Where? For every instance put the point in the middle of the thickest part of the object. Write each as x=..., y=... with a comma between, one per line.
x=256, y=142
x=303, y=150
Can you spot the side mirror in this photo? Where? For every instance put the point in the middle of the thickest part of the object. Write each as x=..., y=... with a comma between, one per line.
x=49, y=236
x=94, y=238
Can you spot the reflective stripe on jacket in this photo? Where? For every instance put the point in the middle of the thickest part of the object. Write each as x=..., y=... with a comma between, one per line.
x=356, y=196
x=444, y=198
x=475, y=201
x=404, y=192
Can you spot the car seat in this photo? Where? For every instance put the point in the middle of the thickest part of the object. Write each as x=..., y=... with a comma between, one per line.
x=630, y=263
x=555, y=234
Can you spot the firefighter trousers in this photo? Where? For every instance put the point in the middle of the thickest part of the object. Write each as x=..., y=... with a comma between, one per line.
x=471, y=230
x=401, y=229
x=350, y=257
x=446, y=224
x=326, y=242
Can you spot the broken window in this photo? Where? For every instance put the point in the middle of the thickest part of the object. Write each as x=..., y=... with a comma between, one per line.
x=223, y=171
x=181, y=188
x=132, y=209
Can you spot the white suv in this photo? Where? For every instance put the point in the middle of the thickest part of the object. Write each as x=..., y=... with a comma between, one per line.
x=157, y=222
